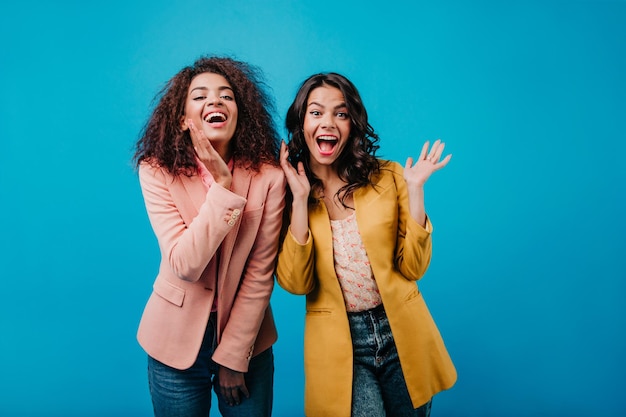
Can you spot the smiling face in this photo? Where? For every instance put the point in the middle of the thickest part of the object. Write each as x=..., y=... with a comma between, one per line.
x=211, y=106
x=326, y=125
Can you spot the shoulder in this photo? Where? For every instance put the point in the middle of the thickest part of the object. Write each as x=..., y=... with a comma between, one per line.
x=270, y=173
x=391, y=166
x=390, y=171
x=153, y=174
x=261, y=180
x=151, y=171
x=271, y=170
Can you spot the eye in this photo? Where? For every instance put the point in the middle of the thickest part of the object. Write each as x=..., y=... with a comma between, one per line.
x=227, y=97
x=315, y=113
x=198, y=98
x=342, y=115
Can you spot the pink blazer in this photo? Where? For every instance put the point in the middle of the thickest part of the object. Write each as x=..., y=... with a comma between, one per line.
x=221, y=240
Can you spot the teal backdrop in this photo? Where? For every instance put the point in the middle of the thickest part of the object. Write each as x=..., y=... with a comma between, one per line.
x=528, y=274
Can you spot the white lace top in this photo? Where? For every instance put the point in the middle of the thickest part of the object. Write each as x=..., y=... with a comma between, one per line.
x=352, y=266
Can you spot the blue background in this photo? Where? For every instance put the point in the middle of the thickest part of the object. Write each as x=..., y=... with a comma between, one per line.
x=528, y=271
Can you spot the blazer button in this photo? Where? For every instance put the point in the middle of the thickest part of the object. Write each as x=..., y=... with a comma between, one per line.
x=231, y=222
x=236, y=212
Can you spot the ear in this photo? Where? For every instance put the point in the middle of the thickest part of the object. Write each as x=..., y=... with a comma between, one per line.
x=183, y=123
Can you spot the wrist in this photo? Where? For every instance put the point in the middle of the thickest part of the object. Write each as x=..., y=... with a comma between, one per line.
x=415, y=185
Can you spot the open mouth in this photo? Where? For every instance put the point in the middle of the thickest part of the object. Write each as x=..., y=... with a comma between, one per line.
x=326, y=144
x=215, y=117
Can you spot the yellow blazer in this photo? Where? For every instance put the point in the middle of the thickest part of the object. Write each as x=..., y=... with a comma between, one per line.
x=399, y=250
x=224, y=240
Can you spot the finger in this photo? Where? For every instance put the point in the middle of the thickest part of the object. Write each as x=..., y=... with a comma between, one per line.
x=235, y=396
x=444, y=162
x=438, y=151
x=192, y=130
x=192, y=127
x=433, y=150
x=288, y=169
x=284, y=153
x=196, y=136
x=301, y=170
x=227, y=396
x=244, y=390
x=409, y=163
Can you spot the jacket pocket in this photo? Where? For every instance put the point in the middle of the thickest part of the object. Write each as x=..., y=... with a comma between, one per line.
x=315, y=312
x=169, y=292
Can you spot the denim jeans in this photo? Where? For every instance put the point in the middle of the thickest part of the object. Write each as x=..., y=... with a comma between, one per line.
x=188, y=392
x=378, y=386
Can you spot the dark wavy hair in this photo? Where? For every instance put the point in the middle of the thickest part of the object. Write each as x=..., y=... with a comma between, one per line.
x=163, y=142
x=358, y=162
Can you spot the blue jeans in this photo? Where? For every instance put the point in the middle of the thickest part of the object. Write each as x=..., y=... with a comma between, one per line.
x=378, y=386
x=187, y=393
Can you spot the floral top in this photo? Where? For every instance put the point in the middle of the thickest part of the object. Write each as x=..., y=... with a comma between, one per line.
x=352, y=266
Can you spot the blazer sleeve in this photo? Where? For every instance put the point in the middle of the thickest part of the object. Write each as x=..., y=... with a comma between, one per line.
x=294, y=271
x=188, y=246
x=255, y=288
x=414, y=243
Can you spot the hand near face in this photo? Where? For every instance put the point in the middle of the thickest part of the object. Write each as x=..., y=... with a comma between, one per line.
x=209, y=156
x=297, y=180
x=428, y=162
x=300, y=189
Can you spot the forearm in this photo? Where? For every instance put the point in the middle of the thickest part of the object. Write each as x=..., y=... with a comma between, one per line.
x=187, y=243
x=295, y=267
x=198, y=242
x=300, y=221
x=416, y=204
x=415, y=250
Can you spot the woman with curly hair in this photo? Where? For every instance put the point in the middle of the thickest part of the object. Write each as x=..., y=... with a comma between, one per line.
x=358, y=239
x=214, y=193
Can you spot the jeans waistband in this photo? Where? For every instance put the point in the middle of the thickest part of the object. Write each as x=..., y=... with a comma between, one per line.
x=377, y=311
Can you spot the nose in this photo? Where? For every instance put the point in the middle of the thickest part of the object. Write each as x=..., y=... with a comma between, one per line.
x=213, y=99
x=328, y=121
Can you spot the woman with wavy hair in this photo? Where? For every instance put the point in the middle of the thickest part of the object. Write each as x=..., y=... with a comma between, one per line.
x=214, y=193
x=356, y=241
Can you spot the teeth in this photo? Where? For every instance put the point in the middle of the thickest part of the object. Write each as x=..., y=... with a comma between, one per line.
x=327, y=138
x=215, y=117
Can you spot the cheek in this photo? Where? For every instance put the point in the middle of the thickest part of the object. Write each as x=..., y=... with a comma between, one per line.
x=346, y=129
x=308, y=136
x=234, y=117
x=308, y=128
x=192, y=109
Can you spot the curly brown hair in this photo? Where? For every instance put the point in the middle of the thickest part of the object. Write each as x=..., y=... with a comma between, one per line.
x=163, y=142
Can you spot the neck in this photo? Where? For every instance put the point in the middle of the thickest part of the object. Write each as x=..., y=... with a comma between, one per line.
x=326, y=173
x=223, y=151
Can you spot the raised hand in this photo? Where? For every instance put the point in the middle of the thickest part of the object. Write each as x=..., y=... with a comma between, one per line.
x=300, y=189
x=417, y=174
x=297, y=180
x=209, y=156
x=428, y=162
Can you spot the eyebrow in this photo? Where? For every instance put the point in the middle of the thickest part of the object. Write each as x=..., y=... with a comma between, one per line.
x=222, y=88
x=315, y=103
